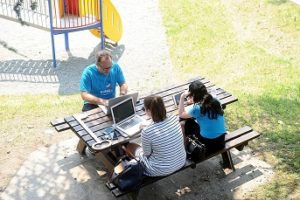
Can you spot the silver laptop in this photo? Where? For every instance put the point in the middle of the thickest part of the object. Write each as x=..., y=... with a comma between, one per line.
x=125, y=118
x=114, y=101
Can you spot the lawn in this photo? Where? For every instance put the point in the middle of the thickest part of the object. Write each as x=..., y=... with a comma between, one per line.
x=250, y=48
x=25, y=126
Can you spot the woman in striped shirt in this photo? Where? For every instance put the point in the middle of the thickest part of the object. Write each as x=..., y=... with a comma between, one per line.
x=162, y=151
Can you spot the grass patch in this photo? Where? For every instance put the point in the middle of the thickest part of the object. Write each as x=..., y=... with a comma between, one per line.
x=249, y=48
x=25, y=126
x=25, y=119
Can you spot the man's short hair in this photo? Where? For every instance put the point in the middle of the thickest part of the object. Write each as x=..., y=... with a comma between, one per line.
x=102, y=54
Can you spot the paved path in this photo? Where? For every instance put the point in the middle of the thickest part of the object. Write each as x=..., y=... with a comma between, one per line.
x=142, y=53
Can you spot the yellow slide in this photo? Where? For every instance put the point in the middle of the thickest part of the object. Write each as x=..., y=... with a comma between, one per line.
x=112, y=22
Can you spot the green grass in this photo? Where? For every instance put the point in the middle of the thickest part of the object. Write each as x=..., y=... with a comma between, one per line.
x=25, y=126
x=251, y=49
x=24, y=119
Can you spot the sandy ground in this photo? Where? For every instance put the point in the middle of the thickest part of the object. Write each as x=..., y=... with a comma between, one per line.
x=25, y=67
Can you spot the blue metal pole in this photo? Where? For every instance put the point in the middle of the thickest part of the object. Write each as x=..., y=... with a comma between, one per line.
x=67, y=41
x=52, y=34
x=102, y=26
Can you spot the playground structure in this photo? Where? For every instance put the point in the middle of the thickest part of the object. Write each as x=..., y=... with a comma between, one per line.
x=65, y=16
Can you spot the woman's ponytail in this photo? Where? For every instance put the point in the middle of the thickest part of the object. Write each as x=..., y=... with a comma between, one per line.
x=211, y=106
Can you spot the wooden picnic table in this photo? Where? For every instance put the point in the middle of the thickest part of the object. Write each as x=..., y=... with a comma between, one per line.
x=97, y=121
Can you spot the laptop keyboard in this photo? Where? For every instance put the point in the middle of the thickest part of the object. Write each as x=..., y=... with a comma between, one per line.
x=130, y=123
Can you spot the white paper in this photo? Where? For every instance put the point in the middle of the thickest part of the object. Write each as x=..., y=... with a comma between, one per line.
x=104, y=108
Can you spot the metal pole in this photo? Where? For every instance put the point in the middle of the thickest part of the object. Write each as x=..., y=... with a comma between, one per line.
x=102, y=26
x=67, y=41
x=52, y=34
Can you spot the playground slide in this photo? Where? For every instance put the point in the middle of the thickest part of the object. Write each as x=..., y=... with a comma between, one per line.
x=112, y=22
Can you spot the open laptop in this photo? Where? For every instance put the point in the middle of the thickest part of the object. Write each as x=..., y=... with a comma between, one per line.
x=114, y=101
x=125, y=118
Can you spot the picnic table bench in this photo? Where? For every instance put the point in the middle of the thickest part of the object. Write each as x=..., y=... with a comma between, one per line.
x=96, y=121
x=236, y=139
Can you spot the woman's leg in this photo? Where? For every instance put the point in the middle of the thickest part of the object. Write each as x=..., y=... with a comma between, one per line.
x=189, y=127
x=213, y=145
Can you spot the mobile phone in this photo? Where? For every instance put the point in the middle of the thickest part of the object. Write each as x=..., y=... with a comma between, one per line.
x=176, y=98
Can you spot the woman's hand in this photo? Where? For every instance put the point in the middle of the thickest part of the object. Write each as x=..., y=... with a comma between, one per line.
x=143, y=125
x=184, y=94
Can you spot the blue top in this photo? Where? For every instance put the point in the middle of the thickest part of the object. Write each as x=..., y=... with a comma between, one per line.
x=101, y=85
x=209, y=128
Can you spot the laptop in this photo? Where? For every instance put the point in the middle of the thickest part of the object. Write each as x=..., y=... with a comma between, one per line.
x=125, y=118
x=114, y=101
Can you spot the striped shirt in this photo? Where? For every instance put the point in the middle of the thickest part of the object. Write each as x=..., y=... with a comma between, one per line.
x=163, y=150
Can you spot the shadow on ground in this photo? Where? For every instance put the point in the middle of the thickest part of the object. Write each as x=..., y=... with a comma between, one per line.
x=66, y=75
x=59, y=172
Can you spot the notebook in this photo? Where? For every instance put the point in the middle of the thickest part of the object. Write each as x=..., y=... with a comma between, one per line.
x=114, y=101
x=125, y=118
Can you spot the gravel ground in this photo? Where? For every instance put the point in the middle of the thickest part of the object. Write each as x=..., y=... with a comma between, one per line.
x=25, y=65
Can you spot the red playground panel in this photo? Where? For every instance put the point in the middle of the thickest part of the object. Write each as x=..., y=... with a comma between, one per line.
x=72, y=7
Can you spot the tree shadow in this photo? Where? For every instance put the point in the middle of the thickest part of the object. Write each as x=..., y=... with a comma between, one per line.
x=58, y=172
x=275, y=117
x=12, y=49
x=206, y=181
x=66, y=75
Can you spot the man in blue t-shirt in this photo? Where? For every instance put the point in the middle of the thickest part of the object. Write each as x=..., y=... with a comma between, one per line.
x=99, y=81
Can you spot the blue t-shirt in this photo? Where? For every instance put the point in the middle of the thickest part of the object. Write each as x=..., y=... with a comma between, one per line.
x=209, y=128
x=101, y=85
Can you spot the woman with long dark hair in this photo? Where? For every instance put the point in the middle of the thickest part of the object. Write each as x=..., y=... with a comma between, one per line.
x=208, y=113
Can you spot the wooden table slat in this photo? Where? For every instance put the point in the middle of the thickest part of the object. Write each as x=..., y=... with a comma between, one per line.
x=177, y=89
x=179, y=85
x=62, y=127
x=228, y=100
x=57, y=121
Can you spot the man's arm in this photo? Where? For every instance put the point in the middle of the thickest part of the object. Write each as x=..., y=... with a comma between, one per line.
x=123, y=89
x=93, y=99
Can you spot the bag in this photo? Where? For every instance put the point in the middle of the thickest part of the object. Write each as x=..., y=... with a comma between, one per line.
x=191, y=127
x=195, y=150
x=128, y=174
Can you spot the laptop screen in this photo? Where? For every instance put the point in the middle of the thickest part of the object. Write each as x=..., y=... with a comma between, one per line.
x=123, y=110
